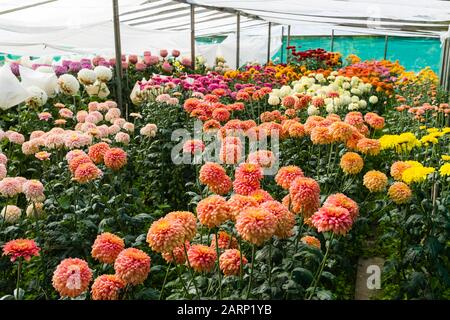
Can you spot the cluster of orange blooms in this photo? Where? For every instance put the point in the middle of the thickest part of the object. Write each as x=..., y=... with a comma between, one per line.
x=209, y=108
x=84, y=166
x=380, y=74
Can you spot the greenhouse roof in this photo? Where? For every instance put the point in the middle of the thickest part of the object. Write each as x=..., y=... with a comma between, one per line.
x=218, y=16
x=82, y=26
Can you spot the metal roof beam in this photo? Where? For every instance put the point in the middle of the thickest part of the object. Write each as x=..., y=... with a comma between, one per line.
x=222, y=9
x=26, y=7
x=166, y=18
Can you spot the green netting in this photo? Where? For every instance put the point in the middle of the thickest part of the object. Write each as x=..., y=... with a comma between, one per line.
x=413, y=53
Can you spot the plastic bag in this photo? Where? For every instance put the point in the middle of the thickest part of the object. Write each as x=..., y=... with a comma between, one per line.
x=46, y=81
x=11, y=90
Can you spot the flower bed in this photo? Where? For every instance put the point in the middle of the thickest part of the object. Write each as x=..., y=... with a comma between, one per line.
x=169, y=198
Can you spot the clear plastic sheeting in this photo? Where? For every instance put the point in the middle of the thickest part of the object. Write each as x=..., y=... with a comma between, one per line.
x=94, y=39
x=12, y=92
x=45, y=81
x=253, y=47
x=420, y=16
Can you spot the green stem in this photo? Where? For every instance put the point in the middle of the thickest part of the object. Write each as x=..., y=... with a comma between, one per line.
x=270, y=267
x=320, y=270
x=164, y=282
x=19, y=269
x=180, y=276
x=240, y=265
x=251, y=272
x=191, y=271
x=218, y=264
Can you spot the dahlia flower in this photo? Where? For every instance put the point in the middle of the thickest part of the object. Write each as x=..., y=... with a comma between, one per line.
x=122, y=137
x=334, y=219
x=107, y=287
x=369, y=146
x=341, y=200
x=416, y=174
x=97, y=151
x=397, y=169
x=21, y=248
x=221, y=114
x=256, y=225
x=68, y=84
x=15, y=137
x=237, y=203
x=166, y=234
x=73, y=154
x=230, y=262
x=149, y=130
x=245, y=188
x=3, y=171
x=34, y=190
x=351, y=163
x=340, y=131
x=202, y=258
x=296, y=130
x=249, y=172
x=212, y=211
x=321, y=135
x=215, y=177
x=286, y=175
x=304, y=196
x=132, y=266
x=230, y=153
x=260, y=196
x=285, y=219
x=103, y=73
x=444, y=170
x=86, y=76
x=10, y=187
x=187, y=220
x=400, y=193
x=107, y=247
x=87, y=172
x=37, y=97
x=375, y=181
x=3, y=159
x=72, y=277
x=115, y=158
x=311, y=241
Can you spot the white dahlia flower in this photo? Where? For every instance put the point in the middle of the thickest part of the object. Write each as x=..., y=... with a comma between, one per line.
x=103, y=73
x=68, y=84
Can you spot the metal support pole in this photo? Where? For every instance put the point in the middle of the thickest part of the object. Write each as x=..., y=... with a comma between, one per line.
x=288, y=43
x=385, y=46
x=282, y=44
x=192, y=36
x=444, y=70
x=269, y=38
x=238, y=40
x=332, y=40
x=118, y=48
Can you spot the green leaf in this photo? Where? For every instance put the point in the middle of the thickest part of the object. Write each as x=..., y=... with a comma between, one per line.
x=302, y=275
